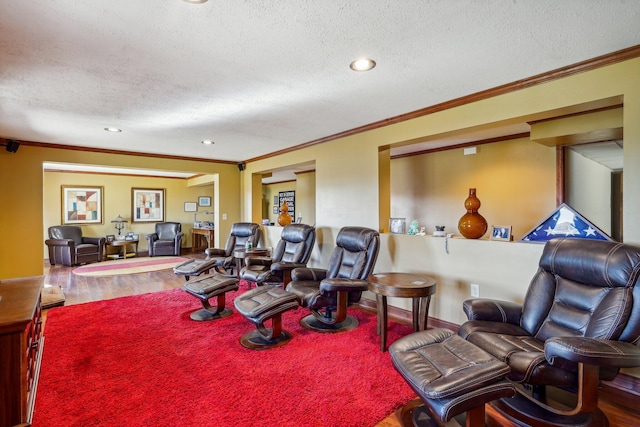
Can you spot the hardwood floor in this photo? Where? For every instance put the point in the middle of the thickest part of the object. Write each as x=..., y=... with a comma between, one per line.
x=81, y=289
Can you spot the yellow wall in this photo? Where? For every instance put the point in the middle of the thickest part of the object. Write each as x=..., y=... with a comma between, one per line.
x=270, y=190
x=347, y=186
x=514, y=180
x=21, y=198
x=117, y=201
x=347, y=189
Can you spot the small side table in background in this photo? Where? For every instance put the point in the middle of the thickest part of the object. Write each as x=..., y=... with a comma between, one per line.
x=404, y=285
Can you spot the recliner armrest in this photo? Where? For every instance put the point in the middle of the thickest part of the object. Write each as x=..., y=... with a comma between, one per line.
x=492, y=310
x=593, y=351
x=152, y=237
x=264, y=261
x=286, y=266
x=59, y=242
x=215, y=252
x=305, y=274
x=338, y=284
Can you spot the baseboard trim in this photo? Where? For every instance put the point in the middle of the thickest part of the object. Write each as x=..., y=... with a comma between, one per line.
x=624, y=389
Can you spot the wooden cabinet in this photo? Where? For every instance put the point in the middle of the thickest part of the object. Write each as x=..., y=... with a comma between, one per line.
x=20, y=348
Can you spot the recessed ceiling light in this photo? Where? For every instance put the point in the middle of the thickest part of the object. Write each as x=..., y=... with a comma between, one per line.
x=207, y=142
x=112, y=129
x=362, y=64
x=195, y=1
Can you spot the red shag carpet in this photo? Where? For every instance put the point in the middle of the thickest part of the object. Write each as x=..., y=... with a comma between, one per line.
x=141, y=361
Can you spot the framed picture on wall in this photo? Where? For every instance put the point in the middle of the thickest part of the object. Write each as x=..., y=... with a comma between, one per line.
x=204, y=201
x=147, y=204
x=82, y=205
x=190, y=207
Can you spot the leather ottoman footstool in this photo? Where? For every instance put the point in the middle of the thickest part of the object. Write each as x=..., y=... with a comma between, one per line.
x=450, y=375
x=194, y=267
x=262, y=304
x=209, y=286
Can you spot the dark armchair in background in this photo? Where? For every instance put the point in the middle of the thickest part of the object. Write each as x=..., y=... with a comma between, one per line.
x=166, y=240
x=68, y=247
x=578, y=325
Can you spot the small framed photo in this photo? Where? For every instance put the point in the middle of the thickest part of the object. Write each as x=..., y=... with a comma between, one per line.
x=190, y=207
x=501, y=232
x=111, y=237
x=204, y=201
x=397, y=225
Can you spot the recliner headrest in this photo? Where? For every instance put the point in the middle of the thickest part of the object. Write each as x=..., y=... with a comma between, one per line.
x=243, y=229
x=355, y=239
x=592, y=262
x=296, y=233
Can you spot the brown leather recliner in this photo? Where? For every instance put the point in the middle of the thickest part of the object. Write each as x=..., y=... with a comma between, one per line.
x=166, y=240
x=579, y=324
x=68, y=247
x=237, y=240
x=293, y=251
x=328, y=293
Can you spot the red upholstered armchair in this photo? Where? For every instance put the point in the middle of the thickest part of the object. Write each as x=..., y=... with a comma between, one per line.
x=68, y=247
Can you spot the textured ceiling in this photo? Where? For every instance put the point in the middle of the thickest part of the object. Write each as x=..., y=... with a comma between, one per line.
x=260, y=76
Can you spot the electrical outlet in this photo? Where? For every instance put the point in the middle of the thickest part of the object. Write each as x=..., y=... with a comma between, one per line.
x=224, y=217
x=475, y=290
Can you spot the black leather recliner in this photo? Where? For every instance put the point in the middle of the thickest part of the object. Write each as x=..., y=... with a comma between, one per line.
x=579, y=324
x=166, y=240
x=68, y=247
x=328, y=293
x=237, y=240
x=292, y=251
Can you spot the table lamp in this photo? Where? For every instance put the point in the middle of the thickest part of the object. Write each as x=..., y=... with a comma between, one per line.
x=119, y=223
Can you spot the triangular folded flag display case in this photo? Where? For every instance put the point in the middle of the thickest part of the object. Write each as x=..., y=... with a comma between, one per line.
x=564, y=222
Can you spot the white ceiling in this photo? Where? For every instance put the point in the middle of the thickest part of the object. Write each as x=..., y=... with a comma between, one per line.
x=261, y=76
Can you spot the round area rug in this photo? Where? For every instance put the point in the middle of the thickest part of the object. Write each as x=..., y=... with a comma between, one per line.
x=129, y=266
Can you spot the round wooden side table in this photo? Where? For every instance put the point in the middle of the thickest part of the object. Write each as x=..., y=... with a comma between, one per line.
x=403, y=285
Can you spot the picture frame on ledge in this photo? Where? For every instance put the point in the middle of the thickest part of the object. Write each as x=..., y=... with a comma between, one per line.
x=147, y=204
x=397, y=225
x=501, y=232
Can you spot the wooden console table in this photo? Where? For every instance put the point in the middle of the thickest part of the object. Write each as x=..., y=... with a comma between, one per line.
x=206, y=232
x=405, y=285
x=20, y=348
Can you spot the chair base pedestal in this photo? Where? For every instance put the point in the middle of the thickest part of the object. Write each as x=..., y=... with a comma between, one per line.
x=313, y=324
x=419, y=417
x=254, y=340
x=522, y=411
x=204, y=315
